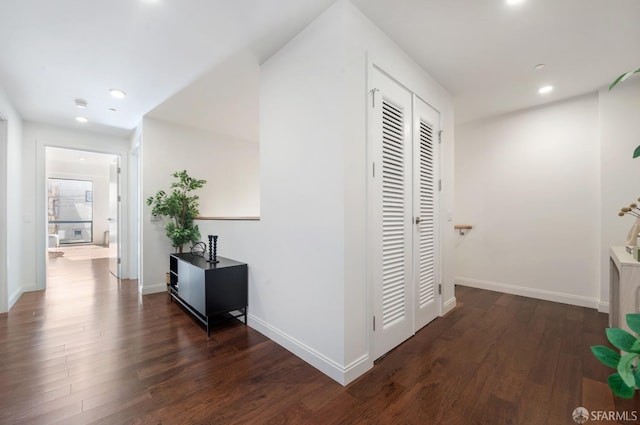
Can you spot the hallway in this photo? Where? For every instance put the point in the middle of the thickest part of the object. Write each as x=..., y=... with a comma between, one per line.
x=90, y=350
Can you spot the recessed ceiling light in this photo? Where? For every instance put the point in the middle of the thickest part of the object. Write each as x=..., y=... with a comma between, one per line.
x=81, y=103
x=117, y=93
x=82, y=119
x=82, y=158
x=539, y=66
x=514, y=1
x=545, y=89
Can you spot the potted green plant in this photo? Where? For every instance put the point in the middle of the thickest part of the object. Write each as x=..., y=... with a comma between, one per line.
x=181, y=207
x=626, y=379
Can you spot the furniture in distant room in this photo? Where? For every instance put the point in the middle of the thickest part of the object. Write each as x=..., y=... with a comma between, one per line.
x=207, y=290
x=624, y=287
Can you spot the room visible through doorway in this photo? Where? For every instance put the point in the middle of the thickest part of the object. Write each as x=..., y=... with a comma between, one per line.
x=79, y=214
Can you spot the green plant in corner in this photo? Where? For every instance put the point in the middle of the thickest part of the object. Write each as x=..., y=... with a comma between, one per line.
x=626, y=380
x=181, y=207
x=621, y=78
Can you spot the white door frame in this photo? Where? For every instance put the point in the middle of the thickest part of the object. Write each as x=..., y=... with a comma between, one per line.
x=4, y=279
x=41, y=204
x=114, y=261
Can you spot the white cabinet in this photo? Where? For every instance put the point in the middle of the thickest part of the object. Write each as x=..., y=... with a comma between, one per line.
x=624, y=287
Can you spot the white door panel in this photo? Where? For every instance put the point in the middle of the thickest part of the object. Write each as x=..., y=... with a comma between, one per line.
x=114, y=217
x=426, y=126
x=403, y=212
x=392, y=215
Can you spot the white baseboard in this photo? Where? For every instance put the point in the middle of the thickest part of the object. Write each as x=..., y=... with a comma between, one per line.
x=540, y=294
x=15, y=296
x=341, y=374
x=152, y=289
x=448, y=305
x=603, y=307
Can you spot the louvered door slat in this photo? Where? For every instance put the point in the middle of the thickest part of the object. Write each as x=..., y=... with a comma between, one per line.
x=426, y=278
x=393, y=214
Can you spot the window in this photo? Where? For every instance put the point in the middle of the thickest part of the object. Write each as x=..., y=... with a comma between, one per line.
x=70, y=210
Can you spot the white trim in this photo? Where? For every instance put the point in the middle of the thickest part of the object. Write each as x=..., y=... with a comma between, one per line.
x=13, y=298
x=540, y=294
x=603, y=307
x=58, y=137
x=448, y=305
x=152, y=289
x=4, y=213
x=341, y=374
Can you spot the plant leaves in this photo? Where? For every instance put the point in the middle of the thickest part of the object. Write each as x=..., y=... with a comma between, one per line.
x=635, y=348
x=180, y=208
x=606, y=355
x=636, y=375
x=625, y=369
x=633, y=319
x=618, y=386
x=623, y=77
x=636, y=153
x=620, y=339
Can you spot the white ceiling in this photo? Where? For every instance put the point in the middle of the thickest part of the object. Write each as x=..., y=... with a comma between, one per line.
x=482, y=51
x=224, y=100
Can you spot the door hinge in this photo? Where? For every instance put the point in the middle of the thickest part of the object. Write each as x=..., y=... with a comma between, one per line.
x=439, y=289
x=119, y=199
x=440, y=136
x=374, y=169
x=440, y=185
x=119, y=170
x=119, y=260
x=373, y=97
x=374, y=323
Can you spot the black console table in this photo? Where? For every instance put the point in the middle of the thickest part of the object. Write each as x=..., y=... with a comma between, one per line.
x=206, y=289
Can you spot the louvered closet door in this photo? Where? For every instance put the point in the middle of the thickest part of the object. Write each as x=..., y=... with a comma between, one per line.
x=392, y=221
x=426, y=125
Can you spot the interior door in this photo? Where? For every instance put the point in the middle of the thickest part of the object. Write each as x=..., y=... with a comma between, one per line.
x=391, y=213
x=426, y=154
x=114, y=217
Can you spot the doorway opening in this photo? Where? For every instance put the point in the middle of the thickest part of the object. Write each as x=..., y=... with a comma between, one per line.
x=82, y=212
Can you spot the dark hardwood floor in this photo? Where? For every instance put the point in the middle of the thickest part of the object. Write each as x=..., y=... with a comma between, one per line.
x=90, y=350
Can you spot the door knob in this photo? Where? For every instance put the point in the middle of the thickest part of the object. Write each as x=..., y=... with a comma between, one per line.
x=418, y=220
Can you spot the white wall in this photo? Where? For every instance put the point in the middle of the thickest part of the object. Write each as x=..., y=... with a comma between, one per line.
x=11, y=220
x=307, y=254
x=529, y=184
x=99, y=175
x=304, y=116
x=620, y=134
x=230, y=166
x=36, y=138
x=134, y=204
x=367, y=45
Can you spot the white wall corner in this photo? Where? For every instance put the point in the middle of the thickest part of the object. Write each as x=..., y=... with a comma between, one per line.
x=448, y=305
x=603, y=307
x=15, y=296
x=356, y=369
x=152, y=289
x=539, y=294
x=339, y=373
